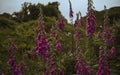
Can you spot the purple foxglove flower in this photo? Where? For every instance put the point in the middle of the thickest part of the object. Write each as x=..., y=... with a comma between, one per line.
x=11, y=61
x=42, y=46
x=17, y=71
x=90, y=19
x=52, y=70
x=61, y=72
x=112, y=52
x=46, y=57
x=99, y=35
x=103, y=66
x=58, y=46
x=75, y=24
x=110, y=40
x=90, y=23
x=56, y=36
x=77, y=34
x=71, y=11
x=46, y=73
x=83, y=69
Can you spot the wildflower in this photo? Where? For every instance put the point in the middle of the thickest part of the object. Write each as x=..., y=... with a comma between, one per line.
x=77, y=34
x=58, y=46
x=90, y=20
x=90, y=23
x=46, y=72
x=112, y=52
x=71, y=11
x=52, y=66
x=42, y=48
x=110, y=40
x=15, y=69
x=56, y=37
x=103, y=66
x=41, y=42
x=52, y=70
x=76, y=24
x=61, y=72
x=80, y=65
x=99, y=35
x=12, y=61
x=83, y=69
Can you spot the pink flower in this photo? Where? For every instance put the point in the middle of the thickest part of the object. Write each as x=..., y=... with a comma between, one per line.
x=103, y=66
x=90, y=23
x=90, y=19
x=99, y=35
x=112, y=52
x=58, y=46
x=71, y=11
x=61, y=72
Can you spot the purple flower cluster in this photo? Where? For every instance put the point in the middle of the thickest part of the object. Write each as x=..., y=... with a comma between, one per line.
x=58, y=44
x=99, y=35
x=103, y=66
x=110, y=40
x=90, y=19
x=107, y=33
x=12, y=61
x=61, y=23
x=52, y=67
x=61, y=72
x=42, y=46
x=71, y=11
x=112, y=52
x=76, y=24
x=81, y=67
x=77, y=34
x=90, y=23
x=15, y=69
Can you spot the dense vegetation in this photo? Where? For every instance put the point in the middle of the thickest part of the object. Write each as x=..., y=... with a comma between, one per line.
x=21, y=28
